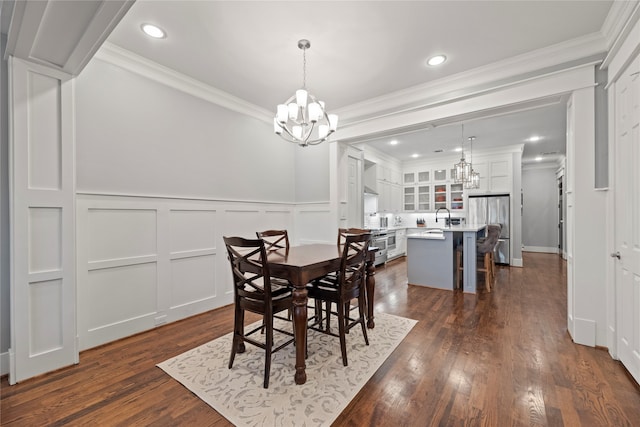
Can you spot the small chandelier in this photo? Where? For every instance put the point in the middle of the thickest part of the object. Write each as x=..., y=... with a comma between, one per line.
x=462, y=170
x=474, y=177
x=302, y=119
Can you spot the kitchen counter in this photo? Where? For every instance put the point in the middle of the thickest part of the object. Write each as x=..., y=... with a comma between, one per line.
x=431, y=256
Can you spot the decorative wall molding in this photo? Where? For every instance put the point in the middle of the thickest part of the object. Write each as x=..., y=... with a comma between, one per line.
x=137, y=64
x=146, y=261
x=499, y=73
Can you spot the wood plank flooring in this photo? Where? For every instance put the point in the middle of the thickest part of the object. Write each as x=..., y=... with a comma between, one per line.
x=494, y=359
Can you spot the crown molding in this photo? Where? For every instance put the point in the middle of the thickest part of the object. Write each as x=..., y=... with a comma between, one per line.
x=137, y=64
x=510, y=69
x=624, y=16
x=617, y=20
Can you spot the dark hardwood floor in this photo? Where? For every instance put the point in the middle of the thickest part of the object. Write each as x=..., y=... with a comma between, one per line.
x=494, y=359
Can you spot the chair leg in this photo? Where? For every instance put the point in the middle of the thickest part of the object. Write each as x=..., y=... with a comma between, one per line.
x=237, y=344
x=341, y=332
x=347, y=310
x=328, y=315
x=361, y=306
x=268, y=350
x=458, y=269
x=487, y=272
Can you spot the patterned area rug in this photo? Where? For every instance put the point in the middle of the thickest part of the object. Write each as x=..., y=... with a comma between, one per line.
x=238, y=394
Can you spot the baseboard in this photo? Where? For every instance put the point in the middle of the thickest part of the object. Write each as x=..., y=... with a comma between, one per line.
x=542, y=249
x=4, y=363
x=517, y=262
x=584, y=332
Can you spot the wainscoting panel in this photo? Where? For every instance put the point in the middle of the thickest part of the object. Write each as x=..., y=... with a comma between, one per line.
x=41, y=150
x=46, y=297
x=316, y=223
x=146, y=261
x=120, y=294
x=45, y=225
x=121, y=233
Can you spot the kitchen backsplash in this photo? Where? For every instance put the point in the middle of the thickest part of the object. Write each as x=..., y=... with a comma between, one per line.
x=407, y=219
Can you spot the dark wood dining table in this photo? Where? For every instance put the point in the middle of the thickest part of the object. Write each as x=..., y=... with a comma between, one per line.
x=302, y=264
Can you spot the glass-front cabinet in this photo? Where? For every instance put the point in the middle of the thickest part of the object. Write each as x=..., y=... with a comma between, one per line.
x=440, y=196
x=440, y=175
x=409, y=198
x=424, y=197
x=409, y=178
x=457, y=199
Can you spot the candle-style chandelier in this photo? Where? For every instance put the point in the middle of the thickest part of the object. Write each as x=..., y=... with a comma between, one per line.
x=302, y=119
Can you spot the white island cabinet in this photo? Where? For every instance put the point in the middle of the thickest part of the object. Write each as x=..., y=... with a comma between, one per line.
x=431, y=256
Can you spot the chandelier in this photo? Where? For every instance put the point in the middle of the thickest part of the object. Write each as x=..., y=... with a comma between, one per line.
x=474, y=177
x=462, y=169
x=302, y=118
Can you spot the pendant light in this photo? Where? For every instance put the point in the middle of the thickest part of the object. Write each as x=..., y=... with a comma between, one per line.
x=462, y=169
x=474, y=177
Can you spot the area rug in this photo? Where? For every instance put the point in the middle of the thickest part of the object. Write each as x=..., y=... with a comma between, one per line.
x=238, y=394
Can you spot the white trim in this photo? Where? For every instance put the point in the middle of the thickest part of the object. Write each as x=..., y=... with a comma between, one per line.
x=617, y=25
x=540, y=249
x=626, y=49
x=517, y=262
x=514, y=68
x=496, y=97
x=137, y=64
x=174, y=197
x=4, y=363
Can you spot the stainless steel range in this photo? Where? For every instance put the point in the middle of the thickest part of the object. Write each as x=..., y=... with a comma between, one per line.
x=379, y=240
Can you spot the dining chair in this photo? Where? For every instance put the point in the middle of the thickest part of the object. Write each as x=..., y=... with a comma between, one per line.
x=254, y=291
x=348, y=284
x=344, y=232
x=342, y=236
x=274, y=239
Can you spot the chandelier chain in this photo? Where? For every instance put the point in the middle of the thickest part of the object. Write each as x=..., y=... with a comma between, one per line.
x=304, y=68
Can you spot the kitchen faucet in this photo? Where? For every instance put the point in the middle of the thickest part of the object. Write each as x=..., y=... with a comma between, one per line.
x=448, y=211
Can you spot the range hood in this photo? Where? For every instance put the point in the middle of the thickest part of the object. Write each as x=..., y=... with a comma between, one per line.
x=369, y=190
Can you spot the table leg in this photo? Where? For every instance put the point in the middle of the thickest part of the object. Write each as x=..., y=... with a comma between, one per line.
x=371, y=285
x=300, y=322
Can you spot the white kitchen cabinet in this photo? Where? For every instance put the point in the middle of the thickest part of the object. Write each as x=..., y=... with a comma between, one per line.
x=440, y=196
x=456, y=195
x=409, y=178
x=401, y=241
x=417, y=198
x=439, y=175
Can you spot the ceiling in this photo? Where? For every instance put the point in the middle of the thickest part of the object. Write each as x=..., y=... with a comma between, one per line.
x=360, y=51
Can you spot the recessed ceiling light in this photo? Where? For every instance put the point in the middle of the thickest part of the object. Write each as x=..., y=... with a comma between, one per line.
x=393, y=142
x=534, y=138
x=153, y=31
x=436, y=60
x=415, y=155
x=539, y=158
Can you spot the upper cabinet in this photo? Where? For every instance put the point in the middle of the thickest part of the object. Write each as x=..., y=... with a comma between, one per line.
x=386, y=180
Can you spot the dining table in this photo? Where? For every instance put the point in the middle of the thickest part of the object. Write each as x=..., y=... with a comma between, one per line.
x=302, y=264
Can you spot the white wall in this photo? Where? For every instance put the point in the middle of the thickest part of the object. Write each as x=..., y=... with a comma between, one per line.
x=540, y=211
x=5, y=331
x=162, y=176
x=136, y=136
x=586, y=234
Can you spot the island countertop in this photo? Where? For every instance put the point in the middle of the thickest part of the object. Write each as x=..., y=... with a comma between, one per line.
x=453, y=228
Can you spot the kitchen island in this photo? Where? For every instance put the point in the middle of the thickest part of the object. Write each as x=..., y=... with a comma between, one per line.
x=431, y=256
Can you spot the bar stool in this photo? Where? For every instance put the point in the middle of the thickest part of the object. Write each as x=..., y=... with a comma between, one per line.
x=485, y=259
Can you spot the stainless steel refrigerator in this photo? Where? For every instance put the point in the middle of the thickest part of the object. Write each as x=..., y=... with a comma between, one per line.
x=493, y=210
